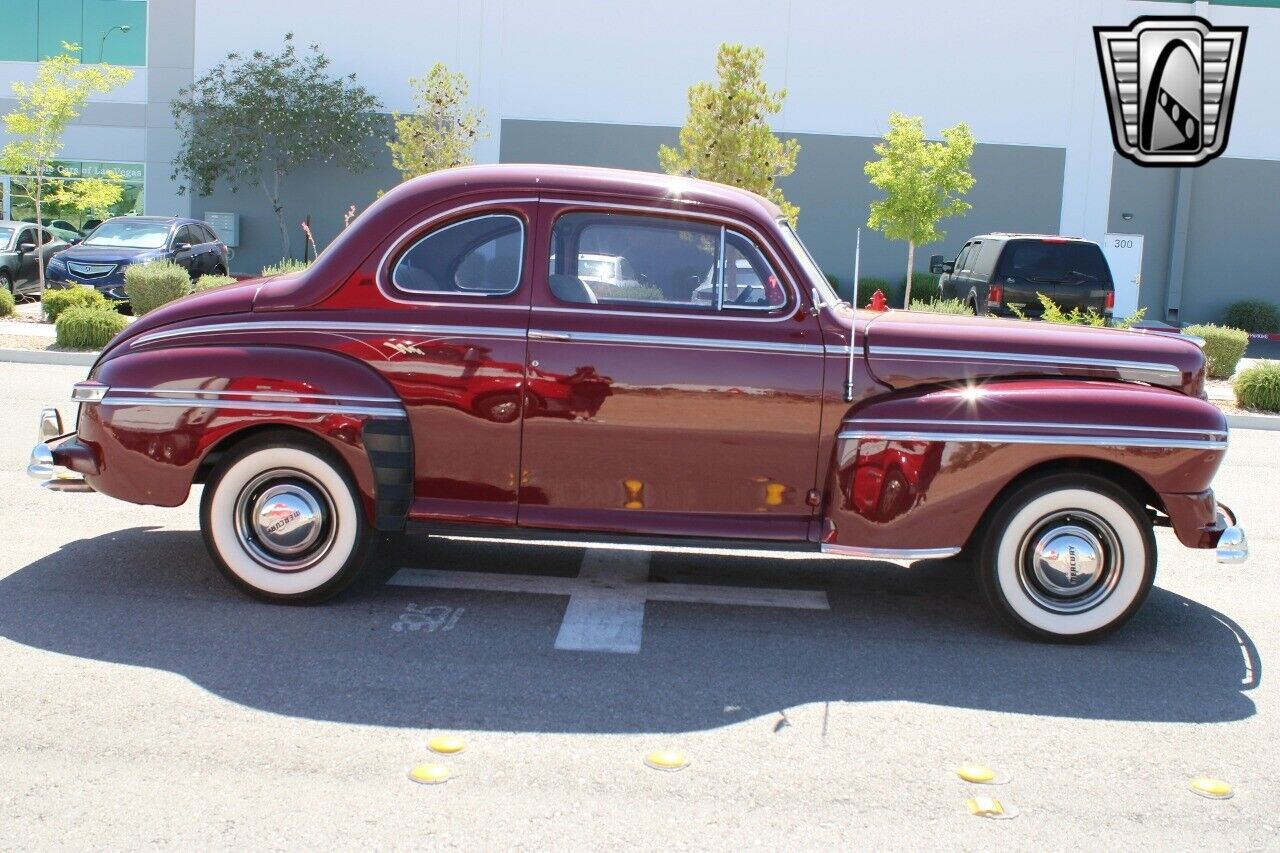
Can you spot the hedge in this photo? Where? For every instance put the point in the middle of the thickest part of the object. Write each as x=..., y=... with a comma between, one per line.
x=54, y=302
x=1223, y=347
x=88, y=328
x=1253, y=315
x=924, y=286
x=284, y=267
x=1258, y=387
x=151, y=285
x=209, y=282
x=6, y=302
x=942, y=306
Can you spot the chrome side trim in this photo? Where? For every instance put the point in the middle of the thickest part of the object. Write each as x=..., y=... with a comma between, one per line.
x=835, y=349
x=253, y=405
x=326, y=327
x=1032, y=425
x=257, y=395
x=1012, y=438
x=670, y=341
x=1024, y=358
x=890, y=553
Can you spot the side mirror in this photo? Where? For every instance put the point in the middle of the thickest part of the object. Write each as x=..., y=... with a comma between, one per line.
x=76, y=241
x=938, y=266
x=26, y=247
x=181, y=247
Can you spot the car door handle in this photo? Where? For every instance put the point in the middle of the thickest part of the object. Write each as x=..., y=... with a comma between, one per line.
x=539, y=335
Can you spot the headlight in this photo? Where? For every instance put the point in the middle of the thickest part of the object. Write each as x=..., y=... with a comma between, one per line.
x=56, y=261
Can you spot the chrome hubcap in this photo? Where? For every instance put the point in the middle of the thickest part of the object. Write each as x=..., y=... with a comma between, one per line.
x=285, y=520
x=1069, y=562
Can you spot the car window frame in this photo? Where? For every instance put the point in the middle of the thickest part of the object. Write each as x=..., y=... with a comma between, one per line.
x=673, y=309
x=397, y=255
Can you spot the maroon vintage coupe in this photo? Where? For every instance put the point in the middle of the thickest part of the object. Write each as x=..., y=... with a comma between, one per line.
x=453, y=361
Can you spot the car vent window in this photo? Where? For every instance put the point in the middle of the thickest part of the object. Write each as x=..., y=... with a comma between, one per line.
x=481, y=256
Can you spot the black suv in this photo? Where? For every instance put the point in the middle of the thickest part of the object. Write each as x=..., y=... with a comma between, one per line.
x=997, y=272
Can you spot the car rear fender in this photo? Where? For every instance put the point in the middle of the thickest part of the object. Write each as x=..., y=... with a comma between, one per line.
x=170, y=413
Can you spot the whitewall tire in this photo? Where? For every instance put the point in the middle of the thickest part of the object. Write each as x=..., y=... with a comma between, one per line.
x=283, y=520
x=1067, y=558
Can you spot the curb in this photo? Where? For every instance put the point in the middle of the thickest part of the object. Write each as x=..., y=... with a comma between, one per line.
x=1268, y=422
x=36, y=356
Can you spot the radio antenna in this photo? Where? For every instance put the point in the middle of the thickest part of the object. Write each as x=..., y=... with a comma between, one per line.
x=853, y=318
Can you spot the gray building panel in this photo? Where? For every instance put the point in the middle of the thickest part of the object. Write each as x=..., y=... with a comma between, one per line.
x=1019, y=188
x=1148, y=195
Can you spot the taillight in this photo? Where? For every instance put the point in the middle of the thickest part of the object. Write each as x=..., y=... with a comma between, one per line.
x=995, y=294
x=1110, y=302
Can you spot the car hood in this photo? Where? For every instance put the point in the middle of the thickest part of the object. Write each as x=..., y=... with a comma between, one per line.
x=106, y=254
x=909, y=348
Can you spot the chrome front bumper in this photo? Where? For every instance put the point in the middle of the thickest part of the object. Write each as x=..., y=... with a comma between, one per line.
x=42, y=467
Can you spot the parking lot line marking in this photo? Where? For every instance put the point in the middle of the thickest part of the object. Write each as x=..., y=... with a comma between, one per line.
x=607, y=613
x=607, y=598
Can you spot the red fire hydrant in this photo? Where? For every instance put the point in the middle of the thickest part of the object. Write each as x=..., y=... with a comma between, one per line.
x=877, y=302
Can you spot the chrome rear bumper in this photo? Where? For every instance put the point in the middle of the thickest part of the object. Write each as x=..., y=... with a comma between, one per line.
x=41, y=465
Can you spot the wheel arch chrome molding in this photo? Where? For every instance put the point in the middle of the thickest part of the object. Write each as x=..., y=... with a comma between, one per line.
x=1042, y=360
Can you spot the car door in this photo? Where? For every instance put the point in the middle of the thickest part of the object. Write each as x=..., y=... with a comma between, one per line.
x=454, y=350
x=50, y=245
x=952, y=285
x=27, y=277
x=187, y=257
x=651, y=412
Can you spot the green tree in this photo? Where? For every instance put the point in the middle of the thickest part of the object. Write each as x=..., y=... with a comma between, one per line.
x=252, y=120
x=726, y=136
x=45, y=107
x=923, y=182
x=89, y=196
x=440, y=132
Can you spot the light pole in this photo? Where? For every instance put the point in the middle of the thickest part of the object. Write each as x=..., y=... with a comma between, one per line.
x=102, y=44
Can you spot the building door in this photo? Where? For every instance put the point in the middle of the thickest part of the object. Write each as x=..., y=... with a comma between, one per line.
x=1124, y=256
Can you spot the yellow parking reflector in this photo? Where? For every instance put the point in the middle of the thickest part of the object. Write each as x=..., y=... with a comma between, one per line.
x=666, y=759
x=1214, y=789
x=429, y=774
x=990, y=808
x=980, y=774
x=446, y=744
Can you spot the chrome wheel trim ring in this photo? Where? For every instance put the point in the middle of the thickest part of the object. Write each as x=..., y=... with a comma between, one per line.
x=285, y=520
x=1069, y=561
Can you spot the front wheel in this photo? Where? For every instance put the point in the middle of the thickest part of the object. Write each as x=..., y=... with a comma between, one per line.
x=282, y=518
x=1067, y=558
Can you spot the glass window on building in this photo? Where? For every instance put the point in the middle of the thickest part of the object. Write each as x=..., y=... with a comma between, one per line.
x=63, y=219
x=113, y=31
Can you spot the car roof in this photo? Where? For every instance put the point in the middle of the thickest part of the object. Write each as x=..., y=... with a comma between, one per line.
x=578, y=180
x=159, y=220
x=1017, y=235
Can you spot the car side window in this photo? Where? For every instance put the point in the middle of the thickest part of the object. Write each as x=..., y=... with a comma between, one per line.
x=27, y=235
x=962, y=258
x=480, y=256
x=210, y=236
x=637, y=261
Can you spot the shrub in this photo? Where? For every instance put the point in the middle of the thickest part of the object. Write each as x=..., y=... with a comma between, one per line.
x=1258, y=387
x=54, y=302
x=1053, y=313
x=285, y=267
x=1253, y=315
x=924, y=286
x=868, y=286
x=6, y=302
x=209, y=282
x=942, y=306
x=1223, y=347
x=88, y=328
x=149, y=286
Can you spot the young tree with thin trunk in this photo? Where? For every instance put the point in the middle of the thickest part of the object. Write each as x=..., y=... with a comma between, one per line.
x=923, y=183
x=441, y=132
x=251, y=120
x=46, y=106
x=727, y=138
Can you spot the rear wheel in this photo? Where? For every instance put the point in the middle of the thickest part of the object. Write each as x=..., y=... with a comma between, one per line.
x=6, y=283
x=1067, y=558
x=283, y=520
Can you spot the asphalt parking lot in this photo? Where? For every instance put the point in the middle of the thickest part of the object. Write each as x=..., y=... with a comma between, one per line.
x=145, y=702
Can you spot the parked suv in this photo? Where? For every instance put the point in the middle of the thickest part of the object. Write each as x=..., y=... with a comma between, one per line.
x=995, y=273
x=100, y=259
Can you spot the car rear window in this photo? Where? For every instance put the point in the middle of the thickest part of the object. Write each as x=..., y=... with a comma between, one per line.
x=1042, y=260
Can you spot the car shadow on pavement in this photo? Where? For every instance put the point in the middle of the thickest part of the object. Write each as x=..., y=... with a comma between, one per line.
x=152, y=598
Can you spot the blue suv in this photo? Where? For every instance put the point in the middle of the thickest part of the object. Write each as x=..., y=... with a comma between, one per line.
x=99, y=260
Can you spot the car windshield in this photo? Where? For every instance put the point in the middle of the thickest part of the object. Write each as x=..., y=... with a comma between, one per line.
x=129, y=235
x=6, y=234
x=811, y=269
